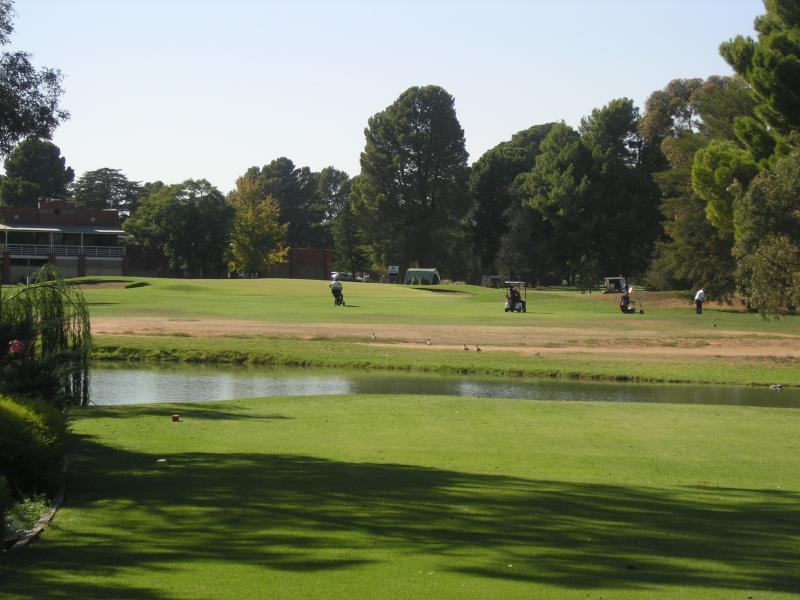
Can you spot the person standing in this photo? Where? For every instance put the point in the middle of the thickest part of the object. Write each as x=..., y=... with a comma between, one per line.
x=625, y=302
x=699, y=298
x=336, y=289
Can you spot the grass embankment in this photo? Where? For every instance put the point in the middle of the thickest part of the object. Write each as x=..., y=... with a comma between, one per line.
x=423, y=497
x=669, y=343
x=344, y=354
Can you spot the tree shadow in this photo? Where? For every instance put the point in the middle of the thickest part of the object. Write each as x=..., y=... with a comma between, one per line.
x=306, y=514
x=223, y=411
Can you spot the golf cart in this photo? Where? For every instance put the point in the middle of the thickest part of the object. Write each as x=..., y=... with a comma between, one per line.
x=514, y=301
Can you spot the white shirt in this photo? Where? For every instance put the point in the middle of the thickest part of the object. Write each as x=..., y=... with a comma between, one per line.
x=700, y=295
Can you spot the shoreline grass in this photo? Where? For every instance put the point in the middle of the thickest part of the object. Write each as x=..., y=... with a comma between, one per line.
x=600, y=366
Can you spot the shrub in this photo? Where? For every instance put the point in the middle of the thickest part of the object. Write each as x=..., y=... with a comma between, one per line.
x=32, y=438
x=21, y=518
x=5, y=503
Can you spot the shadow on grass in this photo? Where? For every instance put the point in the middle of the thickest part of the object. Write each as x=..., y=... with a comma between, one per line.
x=304, y=514
x=222, y=412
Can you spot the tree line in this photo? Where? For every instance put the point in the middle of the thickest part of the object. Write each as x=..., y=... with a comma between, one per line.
x=699, y=189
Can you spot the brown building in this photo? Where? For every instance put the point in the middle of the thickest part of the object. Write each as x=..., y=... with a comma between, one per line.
x=304, y=263
x=79, y=241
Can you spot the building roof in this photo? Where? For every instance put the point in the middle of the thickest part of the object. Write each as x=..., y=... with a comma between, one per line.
x=37, y=228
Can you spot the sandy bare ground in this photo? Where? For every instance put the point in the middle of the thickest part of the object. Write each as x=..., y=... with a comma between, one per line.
x=651, y=338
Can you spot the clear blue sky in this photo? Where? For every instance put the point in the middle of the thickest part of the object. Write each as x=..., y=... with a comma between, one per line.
x=178, y=89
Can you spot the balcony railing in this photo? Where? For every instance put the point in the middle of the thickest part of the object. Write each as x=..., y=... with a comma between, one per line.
x=58, y=250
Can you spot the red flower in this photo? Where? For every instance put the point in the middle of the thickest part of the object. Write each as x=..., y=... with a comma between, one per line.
x=16, y=347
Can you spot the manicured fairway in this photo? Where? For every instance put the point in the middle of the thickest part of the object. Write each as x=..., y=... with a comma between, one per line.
x=309, y=301
x=564, y=333
x=423, y=497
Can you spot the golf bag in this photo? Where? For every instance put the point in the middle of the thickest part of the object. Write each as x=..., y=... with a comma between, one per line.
x=516, y=305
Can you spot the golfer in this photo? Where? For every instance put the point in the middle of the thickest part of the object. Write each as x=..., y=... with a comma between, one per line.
x=699, y=298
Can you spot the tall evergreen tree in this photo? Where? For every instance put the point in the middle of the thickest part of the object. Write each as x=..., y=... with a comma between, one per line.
x=350, y=253
x=106, y=189
x=594, y=191
x=296, y=190
x=624, y=207
x=771, y=64
x=411, y=195
x=559, y=190
x=490, y=191
x=34, y=170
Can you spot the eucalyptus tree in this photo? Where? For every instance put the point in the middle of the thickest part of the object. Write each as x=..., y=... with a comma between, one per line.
x=411, y=194
x=768, y=237
x=258, y=237
x=189, y=223
x=29, y=97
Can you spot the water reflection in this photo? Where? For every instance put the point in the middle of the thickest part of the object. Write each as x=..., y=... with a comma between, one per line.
x=119, y=385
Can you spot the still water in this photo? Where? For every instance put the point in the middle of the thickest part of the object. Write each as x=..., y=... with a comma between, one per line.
x=119, y=385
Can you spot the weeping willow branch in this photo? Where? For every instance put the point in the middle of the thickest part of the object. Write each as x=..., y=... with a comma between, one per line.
x=51, y=320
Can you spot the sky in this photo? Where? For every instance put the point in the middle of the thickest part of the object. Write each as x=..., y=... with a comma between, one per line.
x=176, y=89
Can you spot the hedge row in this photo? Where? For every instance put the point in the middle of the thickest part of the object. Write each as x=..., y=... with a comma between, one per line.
x=32, y=446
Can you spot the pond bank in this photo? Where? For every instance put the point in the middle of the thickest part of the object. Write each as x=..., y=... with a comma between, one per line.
x=602, y=365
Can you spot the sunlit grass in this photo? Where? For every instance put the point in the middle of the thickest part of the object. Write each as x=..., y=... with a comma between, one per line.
x=424, y=497
x=308, y=301
x=602, y=365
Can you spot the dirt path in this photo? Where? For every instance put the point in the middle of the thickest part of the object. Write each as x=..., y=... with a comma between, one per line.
x=643, y=338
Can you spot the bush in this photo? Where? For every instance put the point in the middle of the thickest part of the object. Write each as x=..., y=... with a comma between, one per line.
x=22, y=517
x=32, y=438
x=5, y=504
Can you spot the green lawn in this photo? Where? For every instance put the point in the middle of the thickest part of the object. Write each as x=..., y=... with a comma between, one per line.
x=308, y=301
x=366, y=496
x=666, y=323
x=423, y=497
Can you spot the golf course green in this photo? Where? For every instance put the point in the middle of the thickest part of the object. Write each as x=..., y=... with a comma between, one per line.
x=390, y=496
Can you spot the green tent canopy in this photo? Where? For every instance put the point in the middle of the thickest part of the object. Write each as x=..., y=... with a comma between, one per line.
x=423, y=277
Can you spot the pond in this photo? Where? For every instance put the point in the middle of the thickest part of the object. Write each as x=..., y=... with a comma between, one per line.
x=125, y=384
